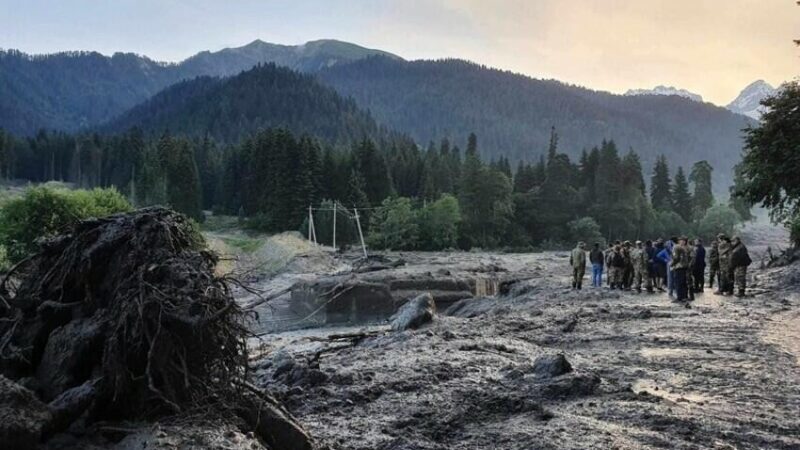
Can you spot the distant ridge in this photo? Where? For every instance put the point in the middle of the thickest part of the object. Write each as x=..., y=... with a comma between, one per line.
x=512, y=114
x=77, y=90
x=267, y=96
x=666, y=90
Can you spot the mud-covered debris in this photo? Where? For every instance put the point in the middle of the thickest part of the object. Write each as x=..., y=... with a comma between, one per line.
x=548, y=366
x=415, y=313
x=22, y=416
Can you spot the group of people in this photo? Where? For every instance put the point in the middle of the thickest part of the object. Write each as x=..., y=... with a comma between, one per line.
x=677, y=265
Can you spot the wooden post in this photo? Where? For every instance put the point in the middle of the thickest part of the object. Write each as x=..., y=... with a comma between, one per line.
x=360, y=234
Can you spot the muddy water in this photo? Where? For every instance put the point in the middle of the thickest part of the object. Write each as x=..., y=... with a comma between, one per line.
x=647, y=373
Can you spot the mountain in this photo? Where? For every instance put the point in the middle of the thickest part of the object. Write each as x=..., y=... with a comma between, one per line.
x=267, y=96
x=748, y=102
x=310, y=57
x=76, y=90
x=512, y=114
x=666, y=90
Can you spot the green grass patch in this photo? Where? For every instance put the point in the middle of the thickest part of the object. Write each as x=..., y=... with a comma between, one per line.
x=216, y=223
x=245, y=244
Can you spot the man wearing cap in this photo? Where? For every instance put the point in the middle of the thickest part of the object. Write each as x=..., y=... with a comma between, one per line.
x=740, y=259
x=679, y=265
x=577, y=259
x=724, y=250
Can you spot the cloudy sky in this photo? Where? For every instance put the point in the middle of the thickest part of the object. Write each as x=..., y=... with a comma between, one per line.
x=712, y=47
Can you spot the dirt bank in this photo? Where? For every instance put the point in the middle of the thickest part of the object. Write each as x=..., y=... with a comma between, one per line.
x=644, y=372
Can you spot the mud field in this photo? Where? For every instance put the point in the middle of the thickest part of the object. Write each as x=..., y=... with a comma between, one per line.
x=638, y=371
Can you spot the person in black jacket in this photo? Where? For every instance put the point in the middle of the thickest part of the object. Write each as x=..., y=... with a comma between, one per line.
x=698, y=266
x=597, y=259
x=652, y=270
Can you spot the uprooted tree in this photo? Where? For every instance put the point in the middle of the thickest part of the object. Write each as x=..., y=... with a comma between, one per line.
x=123, y=318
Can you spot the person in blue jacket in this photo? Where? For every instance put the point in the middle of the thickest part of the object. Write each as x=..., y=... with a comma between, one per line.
x=665, y=257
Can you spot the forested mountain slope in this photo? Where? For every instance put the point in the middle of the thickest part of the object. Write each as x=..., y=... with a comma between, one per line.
x=267, y=96
x=76, y=90
x=512, y=114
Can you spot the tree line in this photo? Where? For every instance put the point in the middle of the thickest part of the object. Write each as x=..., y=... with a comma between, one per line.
x=271, y=177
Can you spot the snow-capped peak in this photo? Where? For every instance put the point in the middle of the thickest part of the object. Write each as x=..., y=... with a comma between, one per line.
x=749, y=100
x=666, y=90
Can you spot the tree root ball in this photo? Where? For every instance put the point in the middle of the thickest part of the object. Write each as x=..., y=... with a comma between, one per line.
x=130, y=304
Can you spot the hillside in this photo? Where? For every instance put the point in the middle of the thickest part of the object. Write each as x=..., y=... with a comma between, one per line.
x=68, y=91
x=77, y=90
x=266, y=96
x=512, y=114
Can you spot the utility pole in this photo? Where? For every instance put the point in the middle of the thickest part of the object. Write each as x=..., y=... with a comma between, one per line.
x=334, y=225
x=310, y=223
x=360, y=234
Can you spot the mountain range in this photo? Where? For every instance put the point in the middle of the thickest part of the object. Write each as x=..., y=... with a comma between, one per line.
x=666, y=90
x=512, y=114
x=77, y=90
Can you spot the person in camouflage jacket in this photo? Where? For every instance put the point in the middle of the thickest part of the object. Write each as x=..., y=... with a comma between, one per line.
x=577, y=259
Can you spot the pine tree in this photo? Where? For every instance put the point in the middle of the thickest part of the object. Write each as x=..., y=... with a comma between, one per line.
x=183, y=181
x=375, y=172
x=681, y=197
x=552, y=148
x=660, y=187
x=703, y=194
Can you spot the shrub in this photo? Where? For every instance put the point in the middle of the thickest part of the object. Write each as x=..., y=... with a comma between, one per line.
x=44, y=211
x=585, y=230
x=794, y=230
x=394, y=225
x=438, y=224
x=718, y=219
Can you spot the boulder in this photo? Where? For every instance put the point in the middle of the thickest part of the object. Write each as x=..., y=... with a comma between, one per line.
x=71, y=404
x=22, y=417
x=415, y=313
x=72, y=351
x=549, y=366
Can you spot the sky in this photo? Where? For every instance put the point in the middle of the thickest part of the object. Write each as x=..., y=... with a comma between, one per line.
x=711, y=47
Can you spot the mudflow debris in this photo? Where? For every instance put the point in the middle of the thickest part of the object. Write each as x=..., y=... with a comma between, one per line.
x=538, y=366
x=122, y=321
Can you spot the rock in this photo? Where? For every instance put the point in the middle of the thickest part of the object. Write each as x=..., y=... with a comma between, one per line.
x=418, y=311
x=23, y=417
x=548, y=366
x=68, y=357
x=569, y=325
x=71, y=404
